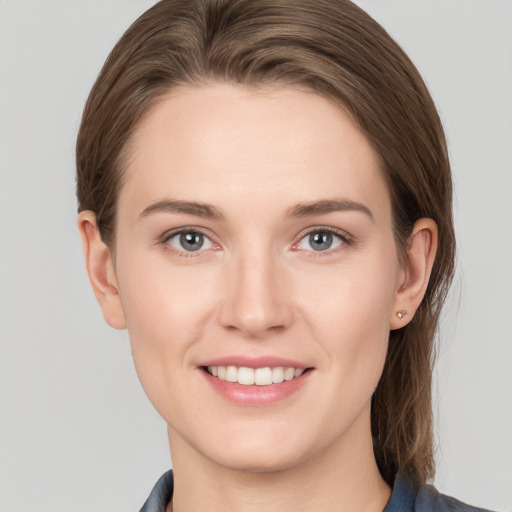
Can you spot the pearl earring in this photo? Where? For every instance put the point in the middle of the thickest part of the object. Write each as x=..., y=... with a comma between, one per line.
x=402, y=314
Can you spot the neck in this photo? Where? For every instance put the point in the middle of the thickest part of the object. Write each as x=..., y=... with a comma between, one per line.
x=343, y=477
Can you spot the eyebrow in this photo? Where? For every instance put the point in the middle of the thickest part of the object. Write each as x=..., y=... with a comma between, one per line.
x=208, y=211
x=203, y=210
x=327, y=206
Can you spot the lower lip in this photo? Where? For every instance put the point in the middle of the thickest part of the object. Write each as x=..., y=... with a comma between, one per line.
x=256, y=396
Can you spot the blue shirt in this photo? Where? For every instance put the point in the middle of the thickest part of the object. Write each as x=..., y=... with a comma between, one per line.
x=403, y=498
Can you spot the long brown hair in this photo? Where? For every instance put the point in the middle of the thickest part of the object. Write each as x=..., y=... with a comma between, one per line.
x=335, y=49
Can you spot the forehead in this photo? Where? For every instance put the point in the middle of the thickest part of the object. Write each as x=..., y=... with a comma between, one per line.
x=214, y=143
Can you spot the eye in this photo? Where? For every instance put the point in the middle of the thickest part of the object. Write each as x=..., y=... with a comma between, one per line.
x=190, y=241
x=320, y=240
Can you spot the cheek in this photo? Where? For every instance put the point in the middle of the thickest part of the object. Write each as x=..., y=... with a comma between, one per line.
x=161, y=300
x=355, y=295
x=166, y=309
x=350, y=313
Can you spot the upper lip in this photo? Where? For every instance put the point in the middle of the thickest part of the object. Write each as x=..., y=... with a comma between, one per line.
x=255, y=362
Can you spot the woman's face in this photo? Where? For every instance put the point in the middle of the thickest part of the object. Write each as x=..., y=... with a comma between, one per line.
x=254, y=231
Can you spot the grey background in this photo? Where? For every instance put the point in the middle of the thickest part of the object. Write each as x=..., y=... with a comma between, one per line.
x=76, y=431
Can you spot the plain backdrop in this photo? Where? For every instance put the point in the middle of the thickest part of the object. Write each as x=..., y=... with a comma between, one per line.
x=76, y=431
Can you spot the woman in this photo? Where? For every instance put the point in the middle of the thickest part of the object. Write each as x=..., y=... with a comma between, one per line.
x=265, y=204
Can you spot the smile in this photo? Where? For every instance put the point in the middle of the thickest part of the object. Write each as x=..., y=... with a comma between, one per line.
x=255, y=376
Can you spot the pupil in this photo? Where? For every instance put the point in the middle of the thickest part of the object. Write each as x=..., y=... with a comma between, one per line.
x=191, y=241
x=320, y=241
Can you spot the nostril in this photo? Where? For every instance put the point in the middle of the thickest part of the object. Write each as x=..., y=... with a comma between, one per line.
x=277, y=328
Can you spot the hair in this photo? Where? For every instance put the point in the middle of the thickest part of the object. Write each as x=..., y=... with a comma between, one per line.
x=335, y=49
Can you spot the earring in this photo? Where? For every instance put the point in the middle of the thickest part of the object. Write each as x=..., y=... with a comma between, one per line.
x=402, y=314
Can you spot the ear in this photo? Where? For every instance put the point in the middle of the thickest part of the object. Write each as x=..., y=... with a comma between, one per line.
x=419, y=260
x=100, y=267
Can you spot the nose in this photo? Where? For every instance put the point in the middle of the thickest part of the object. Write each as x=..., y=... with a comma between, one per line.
x=255, y=297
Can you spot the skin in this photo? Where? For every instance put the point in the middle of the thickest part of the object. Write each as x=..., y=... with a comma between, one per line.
x=257, y=288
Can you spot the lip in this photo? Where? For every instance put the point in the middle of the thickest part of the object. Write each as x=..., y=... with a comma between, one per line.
x=255, y=396
x=254, y=362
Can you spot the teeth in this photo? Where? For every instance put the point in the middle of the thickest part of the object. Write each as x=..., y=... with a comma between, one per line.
x=277, y=375
x=263, y=376
x=231, y=373
x=258, y=376
x=289, y=373
x=246, y=376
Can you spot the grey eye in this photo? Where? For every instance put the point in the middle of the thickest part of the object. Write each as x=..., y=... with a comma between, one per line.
x=320, y=241
x=190, y=241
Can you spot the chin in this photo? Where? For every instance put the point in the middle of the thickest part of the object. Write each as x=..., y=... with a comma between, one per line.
x=249, y=462
x=253, y=453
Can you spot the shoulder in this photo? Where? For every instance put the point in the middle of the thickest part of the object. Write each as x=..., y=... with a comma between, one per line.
x=428, y=499
x=161, y=494
x=403, y=498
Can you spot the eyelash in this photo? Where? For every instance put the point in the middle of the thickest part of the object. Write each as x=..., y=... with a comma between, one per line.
x=166, y=237
x=346, y=241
